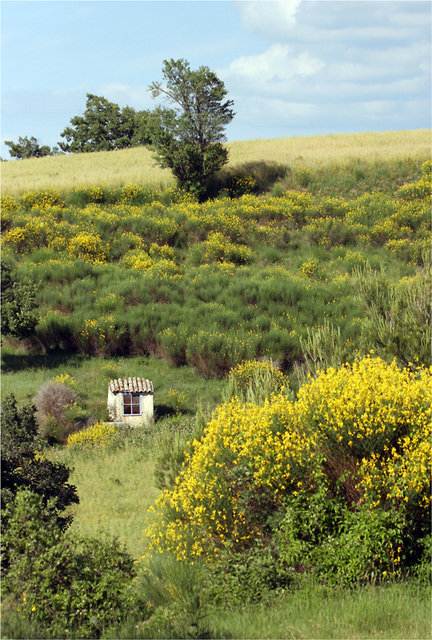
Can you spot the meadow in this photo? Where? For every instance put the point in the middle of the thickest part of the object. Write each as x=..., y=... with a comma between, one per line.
x=285, y=323
x=137, y=166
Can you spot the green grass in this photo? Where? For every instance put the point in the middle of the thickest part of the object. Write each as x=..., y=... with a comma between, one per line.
x=115, y=488
x=396, y=611
x=25, y=372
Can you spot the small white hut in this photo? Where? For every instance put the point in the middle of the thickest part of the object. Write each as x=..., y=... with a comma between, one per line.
x=130, y=400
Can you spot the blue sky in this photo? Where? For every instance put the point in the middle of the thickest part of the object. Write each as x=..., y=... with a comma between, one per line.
x=293, y=68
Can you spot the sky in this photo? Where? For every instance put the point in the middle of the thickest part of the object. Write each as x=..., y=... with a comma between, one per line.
x=292, y=67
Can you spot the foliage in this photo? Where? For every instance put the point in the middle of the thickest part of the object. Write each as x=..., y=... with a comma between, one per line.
x=66, y=585
x=103, y=127
x=23, y=467
x=29, y=148
x=397, y=317
x=173, y=452
x=176, y=591
x=187, y=139
x=253, y=381
x=322, y=347
x=18, y=306
x=96, y=436
x=52, y=401
x=125, y=273
x=347, y=460
x=251, y=576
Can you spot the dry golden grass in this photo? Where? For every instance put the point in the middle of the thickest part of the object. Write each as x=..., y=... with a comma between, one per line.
x=316, y=151
x=68, y=172
x=137, y=166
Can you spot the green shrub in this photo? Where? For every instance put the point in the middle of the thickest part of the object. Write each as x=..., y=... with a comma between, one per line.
x=397, y=318
x=66, y=585
x=176, y=591
x=255, y=575
x=254, y=381
x=23, y=467
x=83, y=196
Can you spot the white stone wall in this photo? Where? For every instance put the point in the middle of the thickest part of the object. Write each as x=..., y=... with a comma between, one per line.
x=115, y=409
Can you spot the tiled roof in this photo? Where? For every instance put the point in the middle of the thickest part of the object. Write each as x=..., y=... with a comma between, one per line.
x=131, y=385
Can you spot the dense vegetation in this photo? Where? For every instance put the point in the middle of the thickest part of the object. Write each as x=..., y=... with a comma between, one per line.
x=306, y=476
x=123, y=273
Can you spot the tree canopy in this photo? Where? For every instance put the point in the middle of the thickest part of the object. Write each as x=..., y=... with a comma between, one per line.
x=29, y=148
x=188, y=137
x=104, y=126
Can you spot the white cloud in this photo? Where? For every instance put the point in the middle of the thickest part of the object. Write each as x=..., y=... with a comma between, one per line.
x=272, y=70
x=329, y=63
x=137, y=97
x=268, y=17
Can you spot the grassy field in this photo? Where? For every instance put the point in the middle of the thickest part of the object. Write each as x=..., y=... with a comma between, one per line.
x=137, y=166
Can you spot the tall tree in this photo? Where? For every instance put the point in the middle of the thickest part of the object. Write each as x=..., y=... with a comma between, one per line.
x=188, y=138
x=103, y=127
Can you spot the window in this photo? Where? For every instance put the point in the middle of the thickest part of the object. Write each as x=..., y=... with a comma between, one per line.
x=131, y=404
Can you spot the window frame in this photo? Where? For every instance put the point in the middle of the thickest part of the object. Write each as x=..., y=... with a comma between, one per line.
x=132, y=405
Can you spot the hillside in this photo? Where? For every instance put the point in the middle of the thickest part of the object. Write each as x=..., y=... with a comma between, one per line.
x=118, y=168
x=282, y=488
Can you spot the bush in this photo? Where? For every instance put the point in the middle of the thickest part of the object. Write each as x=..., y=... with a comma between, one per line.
x=397, y=318
x=22, y=466
x=99, y=435
x=246, y=178
x=42, y=200
x=67, y=585
x=254, y=381
x=343, y=466
x=52, y=402
x=18, y=306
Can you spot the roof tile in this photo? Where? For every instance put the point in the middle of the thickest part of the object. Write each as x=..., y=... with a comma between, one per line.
x=131, y=385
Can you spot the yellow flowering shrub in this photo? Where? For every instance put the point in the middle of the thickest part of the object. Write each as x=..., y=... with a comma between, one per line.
x=42, y=200
x=244, y=372
x=100, y=335
x=218, y=247
x=239, y=455
x=368, y=412
x=98, y=435
x=311, y=270
x=64, y=378
x=130, y=192
x=416, y=190
x=254, y=381
x=360, y=431
x=96, y=194
x=161, y=251
x=16, y=238
x=90, y=247
x=8, y=203
x=138, y=260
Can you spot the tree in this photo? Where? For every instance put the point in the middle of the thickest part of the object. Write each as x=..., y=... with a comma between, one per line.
x=23, y=468
x=29, y=148
x=188, y=138
x=103, y=127
x=18, y=306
